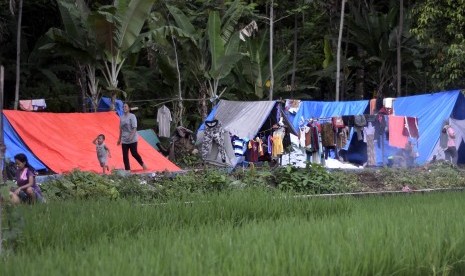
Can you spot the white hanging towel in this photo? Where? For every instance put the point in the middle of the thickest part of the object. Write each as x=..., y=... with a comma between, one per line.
x=164, y=121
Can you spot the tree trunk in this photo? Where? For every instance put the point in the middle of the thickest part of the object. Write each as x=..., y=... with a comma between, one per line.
x=339, y=42
x=360, y=77
x=81, y=77
x=203, y=101
x=18, y=54
x=294, y=60
x=399, y=47
x=344, y=76
x=180, y=112
x=271, y=50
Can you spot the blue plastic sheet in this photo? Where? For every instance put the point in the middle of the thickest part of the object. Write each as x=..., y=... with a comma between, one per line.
x=432, y=110
x=314, y=109
x=15, y=145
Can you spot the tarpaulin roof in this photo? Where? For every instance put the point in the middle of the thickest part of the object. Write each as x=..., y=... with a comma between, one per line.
x=14, y=145
x=432, y=110
x=105, y=103
x=316, y=109
x=243, y=119
x=150, y=137
x=63, y=141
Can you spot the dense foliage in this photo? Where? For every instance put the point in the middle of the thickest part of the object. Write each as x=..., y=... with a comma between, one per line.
x=201, y=50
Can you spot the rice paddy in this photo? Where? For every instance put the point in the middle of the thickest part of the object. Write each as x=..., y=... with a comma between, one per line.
x=249, y=232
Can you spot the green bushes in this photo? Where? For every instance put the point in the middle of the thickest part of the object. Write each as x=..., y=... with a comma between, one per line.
x=314, y=179
x=85, y=185
x=80, y=185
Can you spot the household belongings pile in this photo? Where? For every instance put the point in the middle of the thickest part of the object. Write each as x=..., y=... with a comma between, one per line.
x=181, y=143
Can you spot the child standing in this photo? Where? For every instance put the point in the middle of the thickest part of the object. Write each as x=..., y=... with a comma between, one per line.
x=102, y=152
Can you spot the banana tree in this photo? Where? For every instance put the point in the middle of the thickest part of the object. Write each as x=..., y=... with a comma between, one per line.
x=117, y=30
x=212, y=51
x=76, y=40
x=252, y=72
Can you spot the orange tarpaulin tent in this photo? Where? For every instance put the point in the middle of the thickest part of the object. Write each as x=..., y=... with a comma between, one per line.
x=63, y=141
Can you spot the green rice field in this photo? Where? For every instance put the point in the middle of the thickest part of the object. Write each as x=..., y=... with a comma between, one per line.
x=244, y=233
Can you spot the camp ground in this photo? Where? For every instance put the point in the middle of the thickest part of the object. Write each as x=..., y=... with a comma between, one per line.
x=248, y=121
x=59, y=142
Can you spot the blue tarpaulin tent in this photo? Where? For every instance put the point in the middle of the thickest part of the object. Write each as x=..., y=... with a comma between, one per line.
x=315, y=109
x=105, y=103
x=432, y=110
x=15, y=145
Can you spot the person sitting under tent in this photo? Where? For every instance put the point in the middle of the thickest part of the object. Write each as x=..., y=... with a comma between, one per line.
x=27, y=191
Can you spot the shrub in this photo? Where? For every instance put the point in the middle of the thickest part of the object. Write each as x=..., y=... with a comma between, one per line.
x=81, y=185
x=312, y=180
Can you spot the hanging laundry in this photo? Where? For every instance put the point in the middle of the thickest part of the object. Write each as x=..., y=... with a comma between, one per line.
x=38, y=104
x=327, y=135
x=369, y=138
x=359, y=123
x=348, y=120
x=372, y=106
x=292, y=106
x=32, y=105
x=213, y=134
x=388, y=102
x=239, y=145
x=164, y=121
x=26, y=105
x=411, y=127
x=396, y=131
x=277, y=139
x=343, y=135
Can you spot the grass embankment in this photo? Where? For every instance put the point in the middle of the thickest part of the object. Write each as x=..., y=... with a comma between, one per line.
x=244, y=233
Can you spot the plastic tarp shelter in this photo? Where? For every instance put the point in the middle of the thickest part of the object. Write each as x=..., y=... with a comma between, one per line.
x=63, y=141
x=243, y=119
x=432, y=110
x=105, y=104
x=150, y=137
x=356, y=153
x=14, y=145
x=318, y=109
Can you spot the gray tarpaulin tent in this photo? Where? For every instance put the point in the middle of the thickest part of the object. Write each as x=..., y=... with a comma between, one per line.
x=243, y=119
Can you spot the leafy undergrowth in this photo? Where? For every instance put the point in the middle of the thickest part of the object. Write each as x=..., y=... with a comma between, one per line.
x=311, y=180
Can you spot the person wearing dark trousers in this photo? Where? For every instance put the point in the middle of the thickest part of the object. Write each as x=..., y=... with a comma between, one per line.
x=128, y=138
